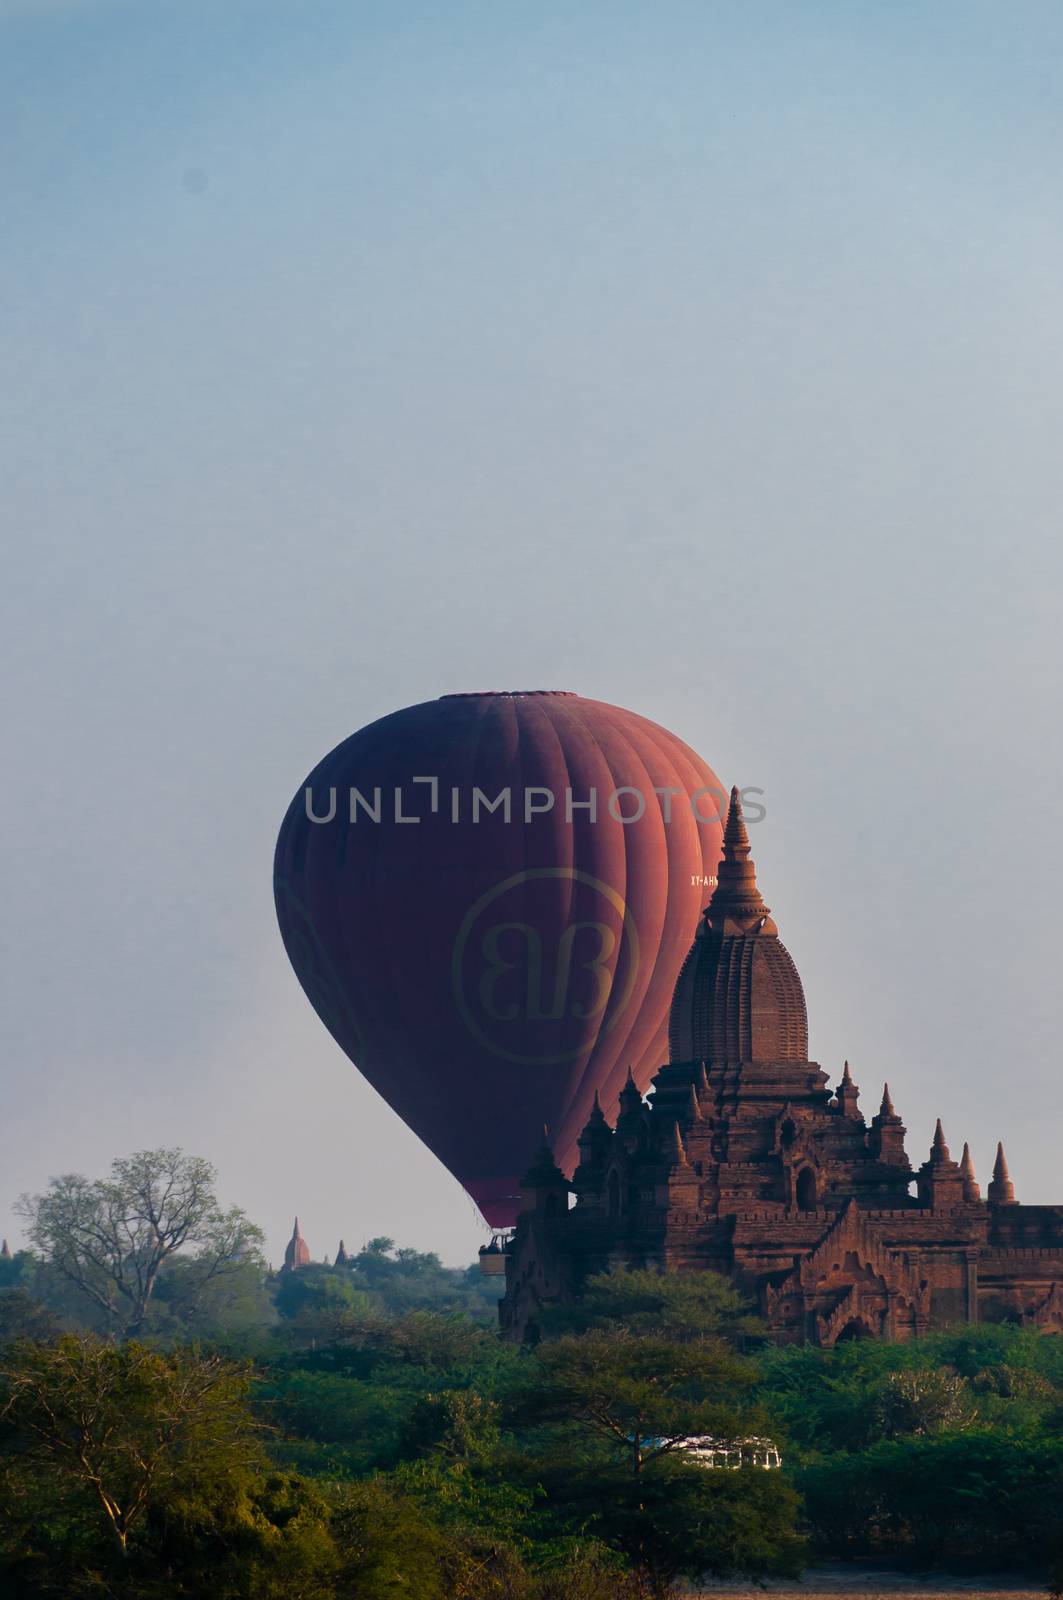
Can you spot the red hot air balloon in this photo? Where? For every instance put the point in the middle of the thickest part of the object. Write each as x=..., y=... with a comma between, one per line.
x=487, y=899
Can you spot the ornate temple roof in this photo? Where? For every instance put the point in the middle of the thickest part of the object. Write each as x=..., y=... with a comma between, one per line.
x=739, y=996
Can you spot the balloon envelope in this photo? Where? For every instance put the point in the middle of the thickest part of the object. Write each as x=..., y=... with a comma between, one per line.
x=487, y=899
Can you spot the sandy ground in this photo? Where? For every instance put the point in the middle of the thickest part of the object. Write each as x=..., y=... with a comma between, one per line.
x=849, y=1583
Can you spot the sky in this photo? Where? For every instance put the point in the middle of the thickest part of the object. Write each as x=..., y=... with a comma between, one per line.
x=701, y=357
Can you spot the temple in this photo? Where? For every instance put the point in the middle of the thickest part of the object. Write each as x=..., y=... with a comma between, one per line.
x=745, y=1162
x=297, y=1251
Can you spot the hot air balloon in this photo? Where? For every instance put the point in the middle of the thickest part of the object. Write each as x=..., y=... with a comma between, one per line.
x=487, y=899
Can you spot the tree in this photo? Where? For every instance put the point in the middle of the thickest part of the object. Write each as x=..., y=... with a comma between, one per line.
x=390, y=1548
x=126, y=1471
x=643, y=1397
x=676, y=1305
x=111, y=1237
x=627, y=1405
x=118, y=1421
x=23, y=1316
x=924, y=1400
x=682, y=1520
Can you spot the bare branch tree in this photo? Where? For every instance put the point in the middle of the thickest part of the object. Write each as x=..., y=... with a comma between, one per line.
x=111, y=1237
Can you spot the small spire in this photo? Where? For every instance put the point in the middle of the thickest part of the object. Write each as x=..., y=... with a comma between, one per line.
x=736, y=905
x=939, y=1150
x=971, y=1190
x=703, y=1079
x=596, y=1130
x=596, y=1121
x=886, y=1108
x=544, y=1171
x=693, y=1110
x=1001, y=1191
x=342, y=1257
x=630, y=1097
x=847, y=1076
x=5, y=1251
x=677, y=1150
x=735, y=833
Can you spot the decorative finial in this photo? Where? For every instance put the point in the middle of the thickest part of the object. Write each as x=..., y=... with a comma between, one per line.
x=5, y=1251
x=971, y=1190
x=847, y=1076
x=939, y=1150
x=693, y=1110
x=630, y=1096
x=1001, y=1191
x=735, y=835
x=736, y=905
x=886, y=1108
x=678, y=1149
x=596, y=1126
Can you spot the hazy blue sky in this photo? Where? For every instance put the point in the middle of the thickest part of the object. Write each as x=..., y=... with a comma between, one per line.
x=702, y=357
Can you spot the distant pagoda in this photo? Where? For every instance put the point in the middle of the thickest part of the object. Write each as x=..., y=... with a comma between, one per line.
x=297, y=1252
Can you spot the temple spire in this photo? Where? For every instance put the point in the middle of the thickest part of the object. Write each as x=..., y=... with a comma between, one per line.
x=676, y=1149
x=297, y=1253
x=737, y=905
x=939, y=1150
x=1001, y=1191
x=886, y=1108
x=630, y=1096
x=848, y=1094
x=342, y=1258
x=5, y=1251
x=597, y=1134
x=596, y=1120
x=971, y=1190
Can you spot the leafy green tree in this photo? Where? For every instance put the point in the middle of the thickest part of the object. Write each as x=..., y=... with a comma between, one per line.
x=920, y=1400
x=643, y=1397
x=679, y=1519
x=624, y=1407
x=320, y=1303
x=23, y=1316
x=675, y=1305
x=134, y=1472
x=390, y=1548
x=111, y=1237
x=982, y=1497
x=117, y=1422
x=457, y=1425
